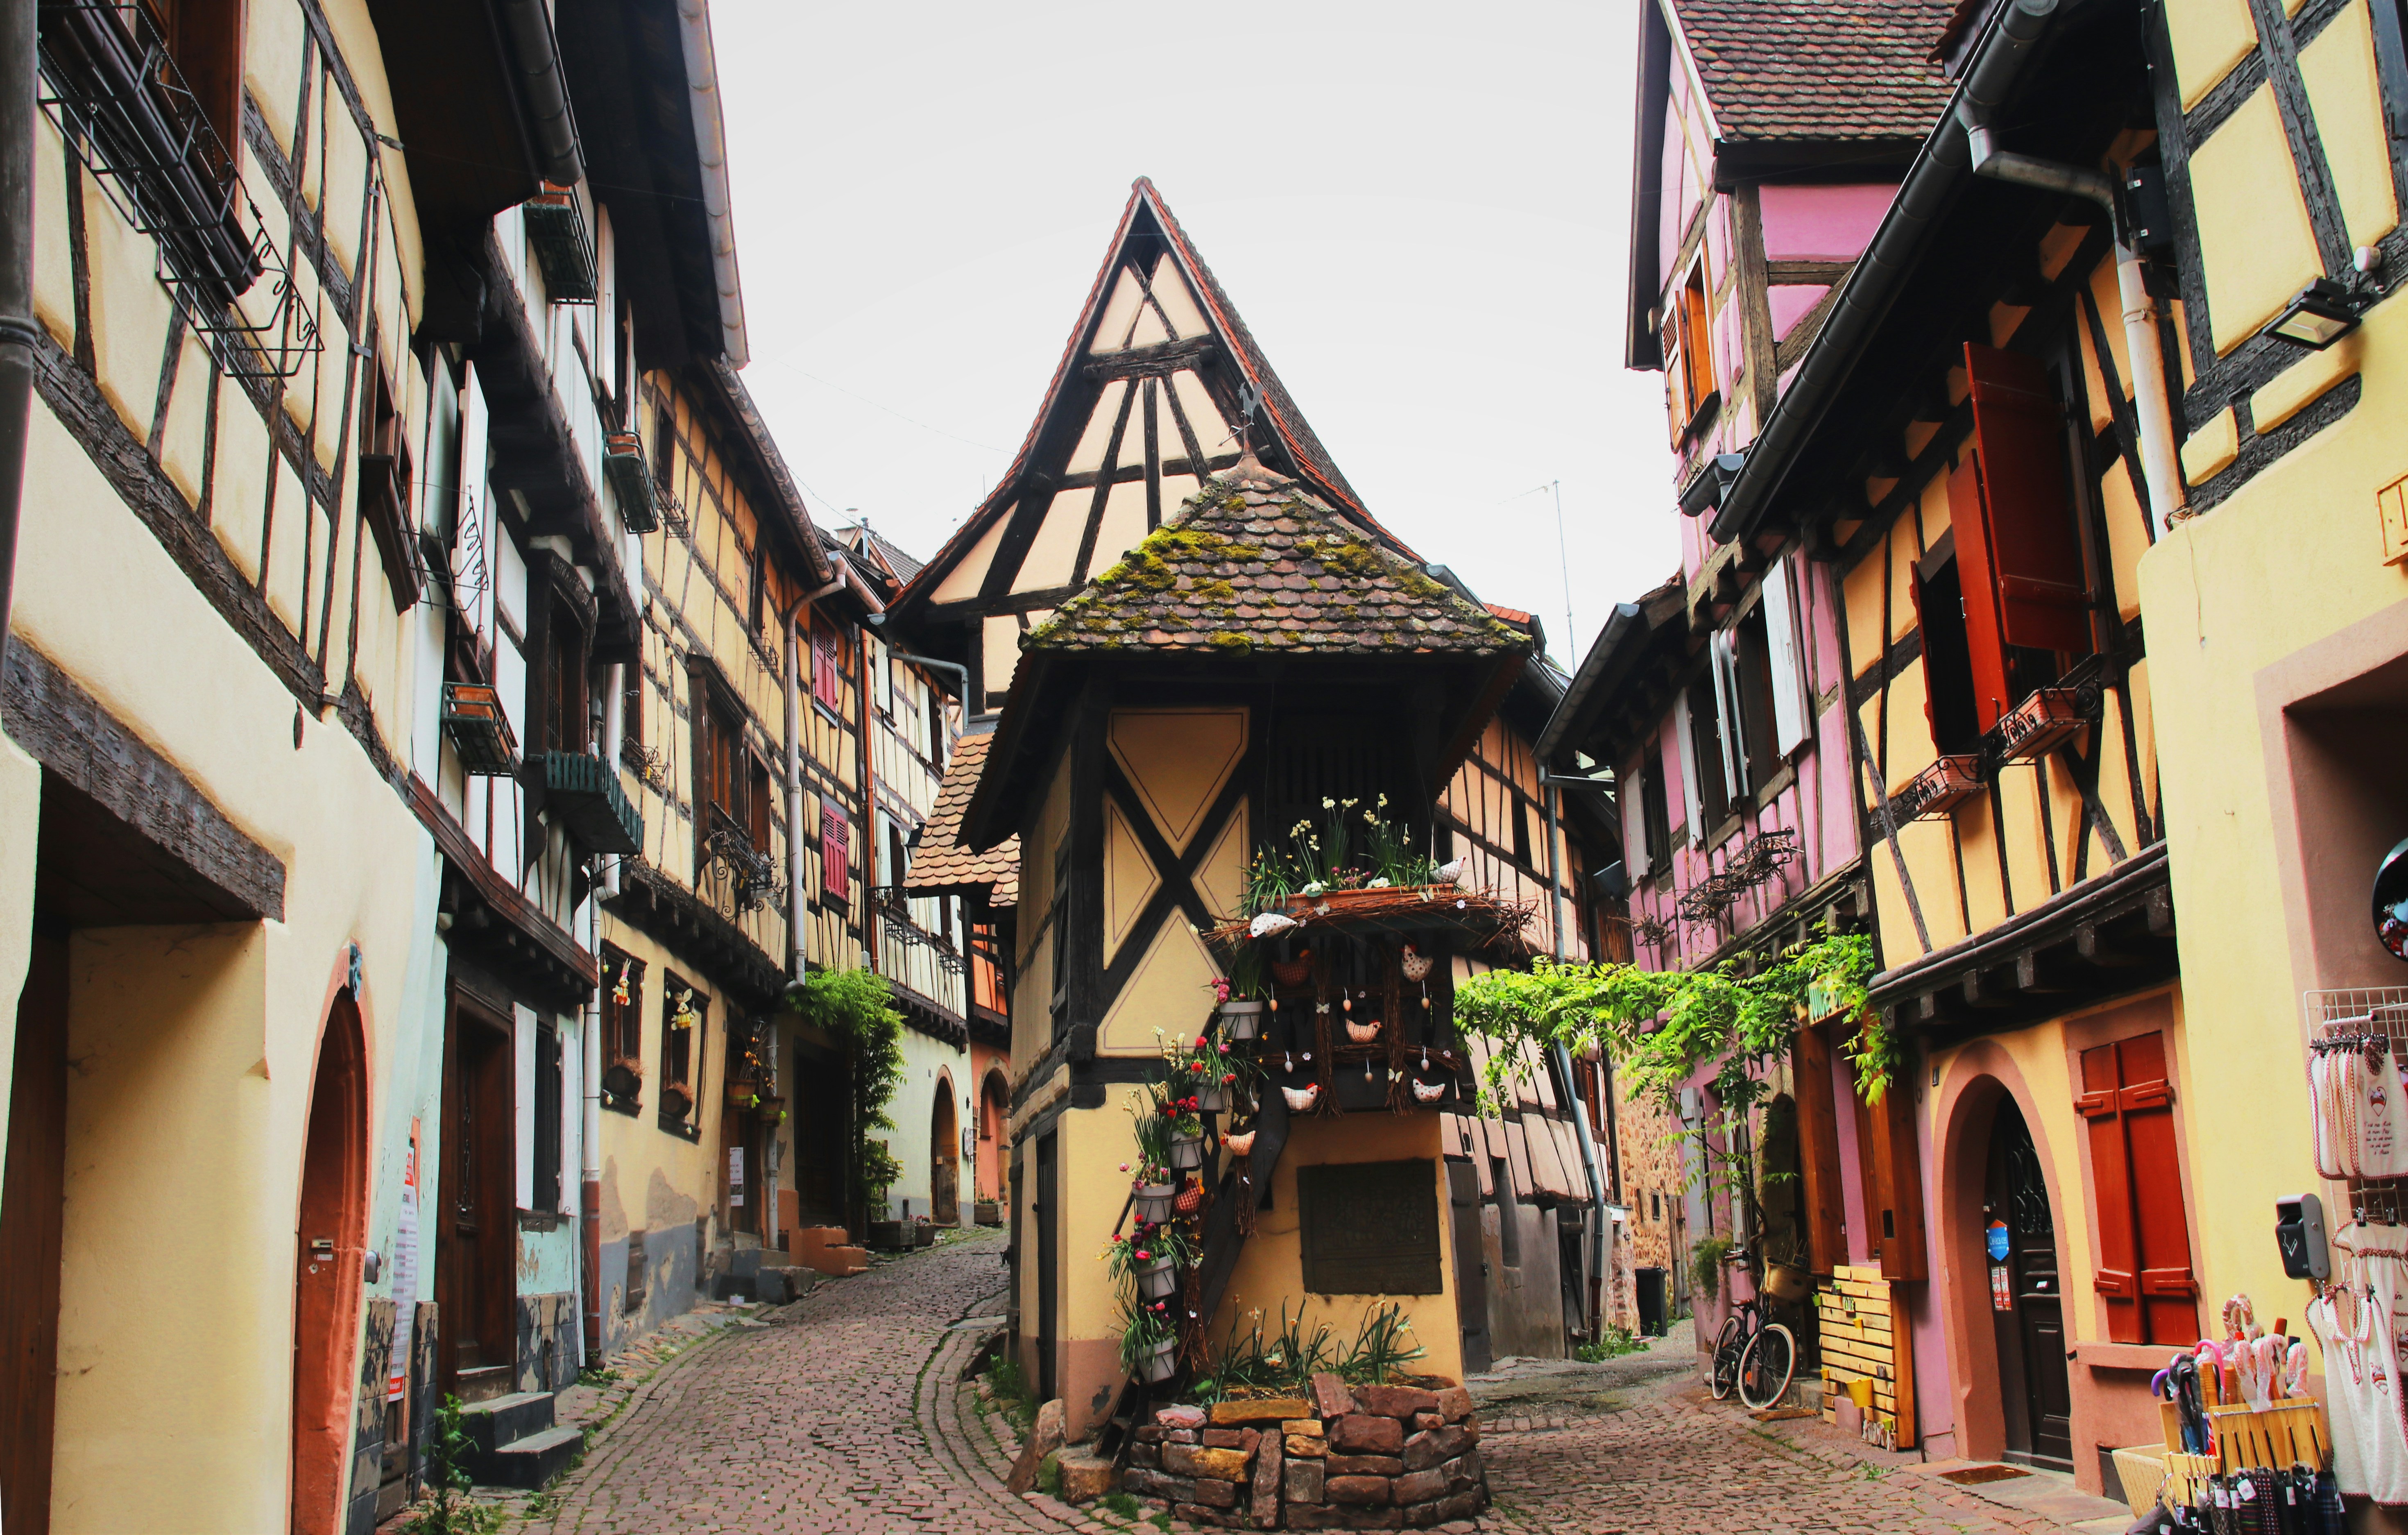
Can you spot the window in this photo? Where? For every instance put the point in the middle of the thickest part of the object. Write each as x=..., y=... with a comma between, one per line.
x=1709, y=790
x=663, y=451
x=1655, y=815
x=565, y=727
x=547, y=1119
x=623, y=1012
x=835, y=869
x=827, y=667
x=936, y=727
x=2144, y=1272
x=897, y=856
x=684, y=1013
x=1744, y=693
x=384, y=480
x=1688, y=352
x=1519, y=815
x=2020, y=565
x=1947, y=664
x=758, y=797
x=722, y=767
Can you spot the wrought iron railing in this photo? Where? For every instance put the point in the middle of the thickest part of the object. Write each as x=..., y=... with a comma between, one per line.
x=893, y=904
x=112, y=87
x=752, y=874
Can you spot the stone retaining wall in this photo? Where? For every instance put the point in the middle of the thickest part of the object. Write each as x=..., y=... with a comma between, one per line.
x=1365, y=1458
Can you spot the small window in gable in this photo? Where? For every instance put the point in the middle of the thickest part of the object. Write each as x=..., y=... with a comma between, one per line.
x=1688, y=351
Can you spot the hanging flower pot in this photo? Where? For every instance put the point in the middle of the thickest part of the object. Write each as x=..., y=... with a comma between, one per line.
x=1160, y=1367
x=1157, y=1279
x=1211, y=1097
x=624, y=1077
x=1241, y=1020
x=1187, y=1151
x=677, y=1101
x=1152, y=1201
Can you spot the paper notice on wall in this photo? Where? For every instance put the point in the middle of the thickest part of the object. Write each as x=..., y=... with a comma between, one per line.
x=735, y=1176
x=405, y=1273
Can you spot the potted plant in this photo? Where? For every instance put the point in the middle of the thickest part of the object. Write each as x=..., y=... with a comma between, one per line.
x=1155, y=1191
x=1152, y=1258
x=677, y=1100
x=1149, y=1341
x=624, y=1077
x=743, y=1094
x=1186, y=1132
x=1240, y=1019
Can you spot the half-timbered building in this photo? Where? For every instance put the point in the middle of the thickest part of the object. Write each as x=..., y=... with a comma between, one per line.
x=1973, y=450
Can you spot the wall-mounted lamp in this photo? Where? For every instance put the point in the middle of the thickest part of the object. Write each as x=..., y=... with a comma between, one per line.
x=2323, y=312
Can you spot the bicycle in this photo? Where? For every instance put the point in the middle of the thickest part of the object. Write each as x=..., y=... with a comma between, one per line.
x=1753, y=1356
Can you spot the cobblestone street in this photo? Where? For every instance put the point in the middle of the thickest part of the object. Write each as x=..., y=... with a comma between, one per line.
x=845, y=1413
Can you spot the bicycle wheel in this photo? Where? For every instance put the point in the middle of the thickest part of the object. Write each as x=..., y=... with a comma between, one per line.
x=1727, y=1349
x=1765, y=1369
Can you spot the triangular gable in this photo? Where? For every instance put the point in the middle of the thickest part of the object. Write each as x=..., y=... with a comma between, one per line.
x=1144, y=403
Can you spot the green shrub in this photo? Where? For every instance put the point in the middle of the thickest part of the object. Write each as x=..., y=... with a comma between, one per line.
x=1706, y=1264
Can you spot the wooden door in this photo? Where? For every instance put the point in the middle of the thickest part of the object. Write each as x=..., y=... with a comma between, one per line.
x=945, y=1159
x=820, y=1102
x=1470, y=1267
x=1048, y=1262
x=477, y=1238
x=331, y=1232
x=2031, y=1327
x=31, y=1206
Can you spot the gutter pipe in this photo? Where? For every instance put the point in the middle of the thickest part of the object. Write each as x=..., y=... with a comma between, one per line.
x=710, y=149
x=590, y=1129
x=17, y=323
x=1601, y=654
x=2160, y=461
x=543, y=90
x=1935, y=177
x=1600, y=1215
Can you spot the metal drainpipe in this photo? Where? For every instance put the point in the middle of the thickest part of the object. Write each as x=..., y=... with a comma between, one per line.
x=1598, y=1218
x=17, y=324
x=2160, y=461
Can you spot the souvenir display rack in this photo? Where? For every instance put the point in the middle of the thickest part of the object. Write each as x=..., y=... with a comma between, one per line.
x=2350, y=1016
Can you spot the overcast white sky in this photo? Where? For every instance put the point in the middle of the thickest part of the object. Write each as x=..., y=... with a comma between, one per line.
x=1419, y=209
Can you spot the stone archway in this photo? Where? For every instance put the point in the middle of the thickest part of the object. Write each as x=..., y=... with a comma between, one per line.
x=330, y=1240
x=994, y=1122
x=945, y=1156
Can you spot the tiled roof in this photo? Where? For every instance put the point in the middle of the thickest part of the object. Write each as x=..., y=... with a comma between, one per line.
x=861, y=536
x=1818, y=69
x=1254, y=562
x=940, y=865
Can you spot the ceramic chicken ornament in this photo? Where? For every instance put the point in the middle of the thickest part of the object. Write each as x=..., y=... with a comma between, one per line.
x=1429, y=1092
x=1270, y=923
x=1447, y=873
x=1415, y=965
x=1363, y=1033
x=1300, y=1099
x=1240, y=1145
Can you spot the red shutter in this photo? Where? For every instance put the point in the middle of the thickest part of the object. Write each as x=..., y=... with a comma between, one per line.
x=827, y=682
x=2144, y=1268
x=835, y=870
x=2022, y=532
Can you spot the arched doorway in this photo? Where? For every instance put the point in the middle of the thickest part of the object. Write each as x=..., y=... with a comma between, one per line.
x=995, y=1113
x=2026, y=1305
x=945, y=1156
x=329, y=1237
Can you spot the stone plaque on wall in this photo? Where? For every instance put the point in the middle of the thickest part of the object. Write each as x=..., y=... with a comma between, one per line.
x=1369, y=1228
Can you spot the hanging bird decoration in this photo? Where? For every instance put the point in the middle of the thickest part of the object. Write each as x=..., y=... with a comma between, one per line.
x=1446, y=873
x=1416, y=964
x=1270, y=923
x=1429, y=1092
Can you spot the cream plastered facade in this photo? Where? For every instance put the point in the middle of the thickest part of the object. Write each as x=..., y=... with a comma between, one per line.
x=195, y=1047
x=2275, y=625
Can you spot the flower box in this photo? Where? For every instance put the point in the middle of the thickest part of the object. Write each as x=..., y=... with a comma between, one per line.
x=889, y=1236
x=1186, y=1151
x=1241, y=1020
x=677, y=1100
x=1152, y=1202
x=1938, y=789
x=2039, y=723
x=479, y=730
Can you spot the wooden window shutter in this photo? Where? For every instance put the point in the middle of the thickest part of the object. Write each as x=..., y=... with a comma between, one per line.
x=2144, y=1267
x=835, y=869
x=2038, y=591
x=1894, y=1177
x=1818, y=1152
x=827, y=681
x=1974, y=579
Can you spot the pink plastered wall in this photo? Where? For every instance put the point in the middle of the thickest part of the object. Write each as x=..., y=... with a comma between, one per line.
x=1789, y=304
x=1822, y=223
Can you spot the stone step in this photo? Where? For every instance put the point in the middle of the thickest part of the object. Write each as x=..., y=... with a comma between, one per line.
x=484, y=1382
x=499, y=1420
x=838, y=1262
x=529, y=1462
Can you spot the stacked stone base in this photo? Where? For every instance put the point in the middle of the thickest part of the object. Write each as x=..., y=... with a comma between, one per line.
x=1369, y=1457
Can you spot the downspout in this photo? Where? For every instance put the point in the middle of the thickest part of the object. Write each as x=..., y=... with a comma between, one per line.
x=17, y=323
x=2160, y=461
x=1599, y=1217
